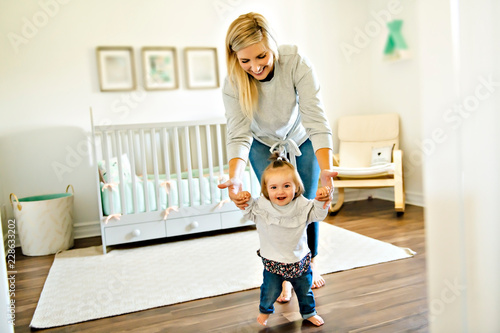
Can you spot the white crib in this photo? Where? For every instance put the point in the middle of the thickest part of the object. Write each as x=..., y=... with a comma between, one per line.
x=162, y=180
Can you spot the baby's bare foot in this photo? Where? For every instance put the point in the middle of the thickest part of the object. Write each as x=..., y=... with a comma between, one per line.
x=286, y=293
x=316, y=320
x=262, y=319
x=318, y=280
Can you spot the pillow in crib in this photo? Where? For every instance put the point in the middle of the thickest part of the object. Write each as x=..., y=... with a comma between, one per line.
x=382, y=155
x=112, y=174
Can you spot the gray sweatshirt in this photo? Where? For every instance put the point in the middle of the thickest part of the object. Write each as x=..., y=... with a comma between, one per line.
x=282, y=229
x=289, y=111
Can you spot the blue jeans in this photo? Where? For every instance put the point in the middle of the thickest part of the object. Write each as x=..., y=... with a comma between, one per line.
x=308, y=168
x=271, y=289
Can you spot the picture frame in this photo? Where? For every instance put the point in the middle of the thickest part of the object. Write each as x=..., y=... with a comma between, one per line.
x=159, y=68
x=202, y=70
x=116, y=68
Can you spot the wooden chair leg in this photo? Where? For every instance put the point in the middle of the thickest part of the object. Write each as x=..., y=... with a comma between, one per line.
x=340, y=201
x=399, y=199
x=399, y=193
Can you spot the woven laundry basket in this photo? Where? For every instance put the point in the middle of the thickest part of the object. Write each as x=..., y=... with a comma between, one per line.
x=44, y=222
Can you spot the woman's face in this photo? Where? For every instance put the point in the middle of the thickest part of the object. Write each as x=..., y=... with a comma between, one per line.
x=256, y=60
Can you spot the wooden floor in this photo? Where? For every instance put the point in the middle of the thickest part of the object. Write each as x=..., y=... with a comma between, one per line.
x=388, y=297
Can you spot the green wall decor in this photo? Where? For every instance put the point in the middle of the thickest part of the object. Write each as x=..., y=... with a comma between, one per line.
x=396, y=47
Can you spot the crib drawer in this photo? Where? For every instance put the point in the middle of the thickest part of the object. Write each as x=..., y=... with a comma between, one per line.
x=233, y=220
x=192, y=224
x=135, y=232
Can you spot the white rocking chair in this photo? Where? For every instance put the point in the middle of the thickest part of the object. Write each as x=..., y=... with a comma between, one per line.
x=369, y=156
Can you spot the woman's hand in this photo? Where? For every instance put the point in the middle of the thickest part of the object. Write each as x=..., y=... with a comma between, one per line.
x=327, y=176
x=234, y=187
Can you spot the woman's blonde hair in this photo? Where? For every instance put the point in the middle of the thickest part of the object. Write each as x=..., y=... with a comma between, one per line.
x=278, y=163
x=246, y=30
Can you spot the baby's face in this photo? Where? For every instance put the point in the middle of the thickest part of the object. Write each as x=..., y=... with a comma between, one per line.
x=281, y=188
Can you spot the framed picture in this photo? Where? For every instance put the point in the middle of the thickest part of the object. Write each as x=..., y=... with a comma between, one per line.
x=202, y=71
x=159, y=68
x=116, y=68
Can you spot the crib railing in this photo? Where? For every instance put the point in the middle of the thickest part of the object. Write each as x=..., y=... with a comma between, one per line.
x=165, y=156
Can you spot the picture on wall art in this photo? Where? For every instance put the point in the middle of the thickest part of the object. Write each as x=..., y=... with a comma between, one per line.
x=159, y=68
x=202, y=71
x=115, y=68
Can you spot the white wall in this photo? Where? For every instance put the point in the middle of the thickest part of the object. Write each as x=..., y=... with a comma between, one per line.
x=395, y=88
x=460, y=82
x=362, y=82
x=49, y=83
x=49, y=78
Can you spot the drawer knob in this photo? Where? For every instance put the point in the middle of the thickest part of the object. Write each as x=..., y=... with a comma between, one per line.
x=195, y=225
x=136, y=233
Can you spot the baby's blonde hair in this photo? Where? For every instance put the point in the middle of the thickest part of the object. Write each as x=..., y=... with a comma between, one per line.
x=246, y=30
x=279, y=163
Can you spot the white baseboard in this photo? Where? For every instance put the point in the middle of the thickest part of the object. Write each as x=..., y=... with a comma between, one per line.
x=412, y=198
x=86, y=229
x=353, y=194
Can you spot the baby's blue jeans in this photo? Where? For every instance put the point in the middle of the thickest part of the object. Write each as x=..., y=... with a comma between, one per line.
x=271, y=289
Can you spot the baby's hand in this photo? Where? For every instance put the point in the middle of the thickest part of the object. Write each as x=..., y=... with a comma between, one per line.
x=324, y=194
x=244, y=195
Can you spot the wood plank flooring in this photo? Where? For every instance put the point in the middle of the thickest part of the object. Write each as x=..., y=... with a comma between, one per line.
x=388, y=297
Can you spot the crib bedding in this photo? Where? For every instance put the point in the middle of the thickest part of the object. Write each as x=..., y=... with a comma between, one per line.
x=169, y=192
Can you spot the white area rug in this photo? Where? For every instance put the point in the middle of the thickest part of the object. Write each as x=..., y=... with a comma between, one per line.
x=84, y=284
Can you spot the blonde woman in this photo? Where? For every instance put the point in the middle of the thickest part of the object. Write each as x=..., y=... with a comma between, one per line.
x=272, y=103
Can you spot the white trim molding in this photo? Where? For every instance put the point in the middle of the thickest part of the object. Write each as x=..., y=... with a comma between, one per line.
x=86, y=229
x=412, y=198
